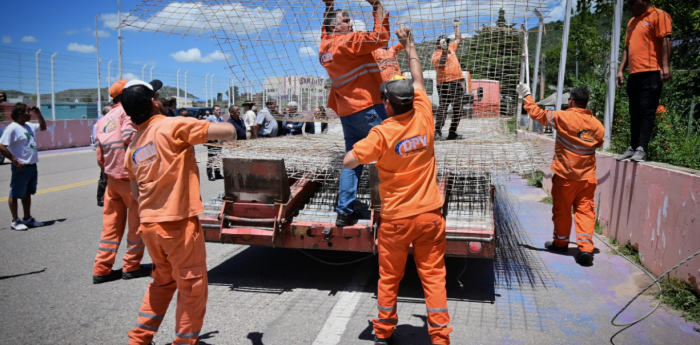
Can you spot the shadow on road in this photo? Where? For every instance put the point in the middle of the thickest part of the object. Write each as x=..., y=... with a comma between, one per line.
x=52, y=222
x=22, y=274
x=403, y=334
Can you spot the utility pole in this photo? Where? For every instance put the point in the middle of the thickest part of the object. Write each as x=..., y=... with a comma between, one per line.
x=614, y=55
x=154, y=66
x=38, y=87
x=537, y=63
x=206, y=90
x=97, y=44
x=53, y=89
x=119, y=36
x=213, y=95
x=143, y=73
x=177, y=97
x=109, y=72
x=562, y=60
x=186, y=88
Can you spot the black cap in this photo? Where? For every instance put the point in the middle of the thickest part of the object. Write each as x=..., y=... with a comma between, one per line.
x=157, y=84
x=398, y=90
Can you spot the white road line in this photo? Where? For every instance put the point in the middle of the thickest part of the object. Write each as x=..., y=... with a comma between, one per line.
x=333, y=329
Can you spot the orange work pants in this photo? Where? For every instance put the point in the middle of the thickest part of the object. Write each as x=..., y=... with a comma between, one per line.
x=579, y=194
x=178, y=252
x=427, y=233
x=119, y=206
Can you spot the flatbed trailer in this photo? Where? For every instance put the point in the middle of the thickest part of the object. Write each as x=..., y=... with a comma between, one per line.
x=262, y=205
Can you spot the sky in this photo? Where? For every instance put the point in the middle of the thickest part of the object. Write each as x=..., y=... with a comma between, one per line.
x=286, y=38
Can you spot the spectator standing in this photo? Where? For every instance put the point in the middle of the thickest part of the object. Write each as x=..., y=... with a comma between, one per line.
x=237, y=122
x=102, y=182
x=249, y=117
x=648, y=55
x=293, y=127
x=317, y=127
x=183, y=112
x=265, y=124
x=213, y=151
x=450, y=83
x=18, y=144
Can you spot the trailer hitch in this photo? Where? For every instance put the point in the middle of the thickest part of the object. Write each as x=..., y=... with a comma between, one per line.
x=327, y=234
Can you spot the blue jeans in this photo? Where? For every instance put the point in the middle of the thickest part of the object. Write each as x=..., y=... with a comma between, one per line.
x=355, y=128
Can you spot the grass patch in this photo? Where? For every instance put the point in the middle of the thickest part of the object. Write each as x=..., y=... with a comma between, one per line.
x=629, y=251
x=547, y=200
x=598, y=228
x=535, y=179
x=681, y=296
x=512, y=125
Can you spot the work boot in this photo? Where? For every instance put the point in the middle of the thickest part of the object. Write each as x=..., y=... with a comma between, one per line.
x=438, y=136
x=639, y=155
x=343, y=220
x=584, y=258
x=384, y=341
x=627, y=155
x=454, y=136
x=143, y=271
x=114, y=275
x=552, y=248
x=100, y=203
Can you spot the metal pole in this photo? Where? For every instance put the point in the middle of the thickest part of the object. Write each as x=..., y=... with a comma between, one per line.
x=206, y=90
x=537, y=63
x=524, y=66
x=213, y=95
x=233, y=89
x=614, y=55
x=186, y=88
x=109, y=72
x=143, y=73
x=53, y=89
x=119, y=36
x=154, y=66
x=690, y=116
x=38, y=88
x=230, y=93
x=97, y=47
x=177, y=97
x=562, y=61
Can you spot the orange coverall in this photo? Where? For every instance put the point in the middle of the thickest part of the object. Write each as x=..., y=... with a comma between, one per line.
x=386, y=59
x=114, y=133
x=161, y=161
x=404, y=148
x=579, y=133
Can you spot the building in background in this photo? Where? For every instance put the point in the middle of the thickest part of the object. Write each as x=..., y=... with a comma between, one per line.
x=307, y=91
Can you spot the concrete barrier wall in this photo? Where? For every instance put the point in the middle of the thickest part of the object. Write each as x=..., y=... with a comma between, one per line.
x=62, y=134
x=656, y=209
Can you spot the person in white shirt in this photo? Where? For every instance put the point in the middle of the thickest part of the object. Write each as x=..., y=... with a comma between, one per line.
x=18, y=144
x=212, y=151
x=249, y=117
x=317, y=127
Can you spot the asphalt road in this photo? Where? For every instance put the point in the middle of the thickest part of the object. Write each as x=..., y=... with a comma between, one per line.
x=279, y=296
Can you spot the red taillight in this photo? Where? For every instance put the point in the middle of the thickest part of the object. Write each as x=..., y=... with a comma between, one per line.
x=475, y=247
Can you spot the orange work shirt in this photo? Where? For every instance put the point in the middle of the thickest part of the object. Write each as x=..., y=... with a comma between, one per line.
x=579, y=133
x=161, y=159
x=386, y=59
x=354, y=73
x=404, y=148
x=644, y=40
x=114, y=133
x=451, y=70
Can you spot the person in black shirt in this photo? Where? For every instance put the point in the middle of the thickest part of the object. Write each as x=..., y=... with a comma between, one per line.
x=237, y=122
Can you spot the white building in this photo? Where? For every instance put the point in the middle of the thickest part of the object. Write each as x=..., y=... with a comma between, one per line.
x=307, y=91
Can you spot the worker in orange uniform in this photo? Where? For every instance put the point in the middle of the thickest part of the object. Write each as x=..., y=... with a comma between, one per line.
x=403, y=147
x=114, y=133
x=579, y=134
x=451, y=84
x=386, y=59
x=165, y=180
x=648, y=54
x=347, y=57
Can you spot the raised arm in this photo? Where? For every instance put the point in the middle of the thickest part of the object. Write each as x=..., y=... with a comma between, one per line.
x=329, y=7
x=458, y=32
x=378, y=8
x=42, y=122
x=406, y=39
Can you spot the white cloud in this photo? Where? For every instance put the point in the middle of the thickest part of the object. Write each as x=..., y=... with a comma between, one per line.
x=6, y=39
x=194, y=55
x=102, y=33
x=29, y=39
x=307, y=52
x=198, y=18
x=130, y=76
x=311, y=37
x=82, y=48
x=72, y=32
x=359, y=25
x=557, y=10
